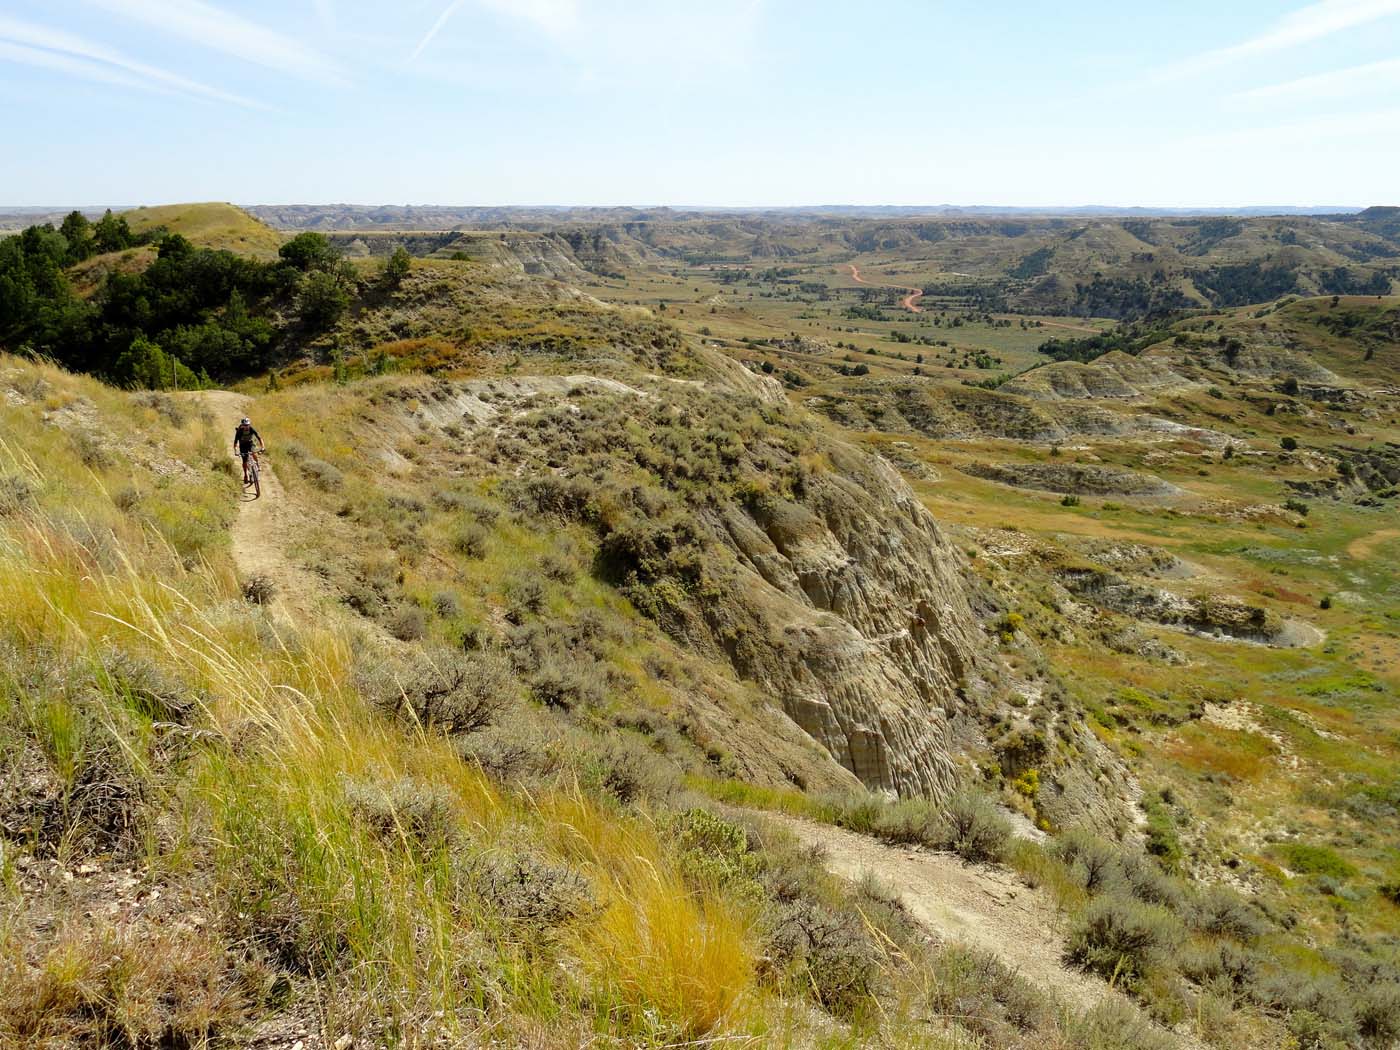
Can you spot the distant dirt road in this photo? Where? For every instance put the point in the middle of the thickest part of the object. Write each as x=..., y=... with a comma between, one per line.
x=910, y=302
x=1071, y=327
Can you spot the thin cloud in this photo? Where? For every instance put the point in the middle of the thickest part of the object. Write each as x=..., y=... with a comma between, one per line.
x=1303, y=26
x=1338, y=83
x=220, y=30
x=57, y=50
x=553, y=16
x=447, y=13
x=78, y=67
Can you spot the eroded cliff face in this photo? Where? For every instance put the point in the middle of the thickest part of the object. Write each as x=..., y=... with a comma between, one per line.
x=754, y=536
x=851, y=612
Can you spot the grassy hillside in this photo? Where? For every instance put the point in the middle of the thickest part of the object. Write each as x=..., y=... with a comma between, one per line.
x=468, y=729
x=212, y=225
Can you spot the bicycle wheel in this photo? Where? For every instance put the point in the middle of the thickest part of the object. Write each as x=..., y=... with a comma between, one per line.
x=253, y=473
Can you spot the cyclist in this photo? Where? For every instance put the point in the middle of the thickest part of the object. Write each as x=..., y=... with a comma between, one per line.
x=243, y=437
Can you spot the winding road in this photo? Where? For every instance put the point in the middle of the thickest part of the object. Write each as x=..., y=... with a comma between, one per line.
x=910, y=302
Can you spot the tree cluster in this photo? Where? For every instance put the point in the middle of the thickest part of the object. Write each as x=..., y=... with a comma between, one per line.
x=193, y=313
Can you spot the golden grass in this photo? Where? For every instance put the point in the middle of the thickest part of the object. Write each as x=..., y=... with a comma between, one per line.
x=265, y=801
x=209, y=225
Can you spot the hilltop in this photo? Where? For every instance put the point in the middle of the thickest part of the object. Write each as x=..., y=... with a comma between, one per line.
x=212, y=225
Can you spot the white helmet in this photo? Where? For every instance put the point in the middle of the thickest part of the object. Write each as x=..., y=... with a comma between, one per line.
x=244, y=421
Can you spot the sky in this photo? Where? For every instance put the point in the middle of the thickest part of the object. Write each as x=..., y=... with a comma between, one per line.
x=681, y=102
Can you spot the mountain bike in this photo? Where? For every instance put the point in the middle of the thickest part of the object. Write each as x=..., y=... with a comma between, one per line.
x=254, y=481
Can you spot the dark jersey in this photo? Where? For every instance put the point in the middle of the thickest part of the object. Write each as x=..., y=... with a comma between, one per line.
x=244, y=437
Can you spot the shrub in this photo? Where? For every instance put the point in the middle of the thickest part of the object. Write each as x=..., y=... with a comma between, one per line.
x=1289, y=444
x=565, y=685
x=259, y=589
x=1070, y=500
x=1378, y=1013
x=470, y=541
x=828, y=953
x=980, y=991
x=409, y=623
x=16, y=493
x=1117, y=1025
x=526, y=890
x=973, y=828
x=1305, y=859
x=1093, y=862
x=447, y=690
x=407, y=809
x=1221, y=911
x=1120, y=938
x=322, y=474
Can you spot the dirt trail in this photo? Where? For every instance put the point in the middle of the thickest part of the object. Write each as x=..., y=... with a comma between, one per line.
x=1363, y=547
x=264, y=526
x=981, y=907
x=1071, y=327
x=910, y=302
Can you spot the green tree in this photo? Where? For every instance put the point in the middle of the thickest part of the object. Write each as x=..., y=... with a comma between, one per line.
x=112, y=234
x=397, y=267
x=77, y=231
x=322, y=301
x=145, y=364
x=309, y=251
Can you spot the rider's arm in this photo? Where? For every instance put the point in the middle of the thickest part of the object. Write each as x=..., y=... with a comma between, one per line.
x=260, y=440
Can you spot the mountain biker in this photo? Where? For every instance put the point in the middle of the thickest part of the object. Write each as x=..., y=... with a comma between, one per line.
x=243, y=437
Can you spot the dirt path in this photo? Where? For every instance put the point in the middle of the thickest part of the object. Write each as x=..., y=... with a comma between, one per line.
x=910, y=302
x=1363, y=547
x=1071, y=327
x=981, y=907
x=264, y=526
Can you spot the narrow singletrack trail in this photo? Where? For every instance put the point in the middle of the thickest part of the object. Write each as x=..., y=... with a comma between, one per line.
x=982, y=907
x=910, y=302
x=264, y=526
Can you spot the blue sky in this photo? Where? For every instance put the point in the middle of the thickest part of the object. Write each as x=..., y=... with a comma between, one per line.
x=721, y=102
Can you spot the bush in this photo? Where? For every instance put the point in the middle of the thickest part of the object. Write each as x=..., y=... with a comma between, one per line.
x=259, y=589
x=1378, y=1013
x=1289, y=444
x=827, y=953
x=16, y=493
x=525, y=890
x=1223, y=912
x=409, y=623
x=1093, y=862
x=1120, y=938
x=983, y=993
x=1117, y=1025
x=470, y=541
x=322, y=474
x=448, y=690
x=408, y=809
x=973, y=828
